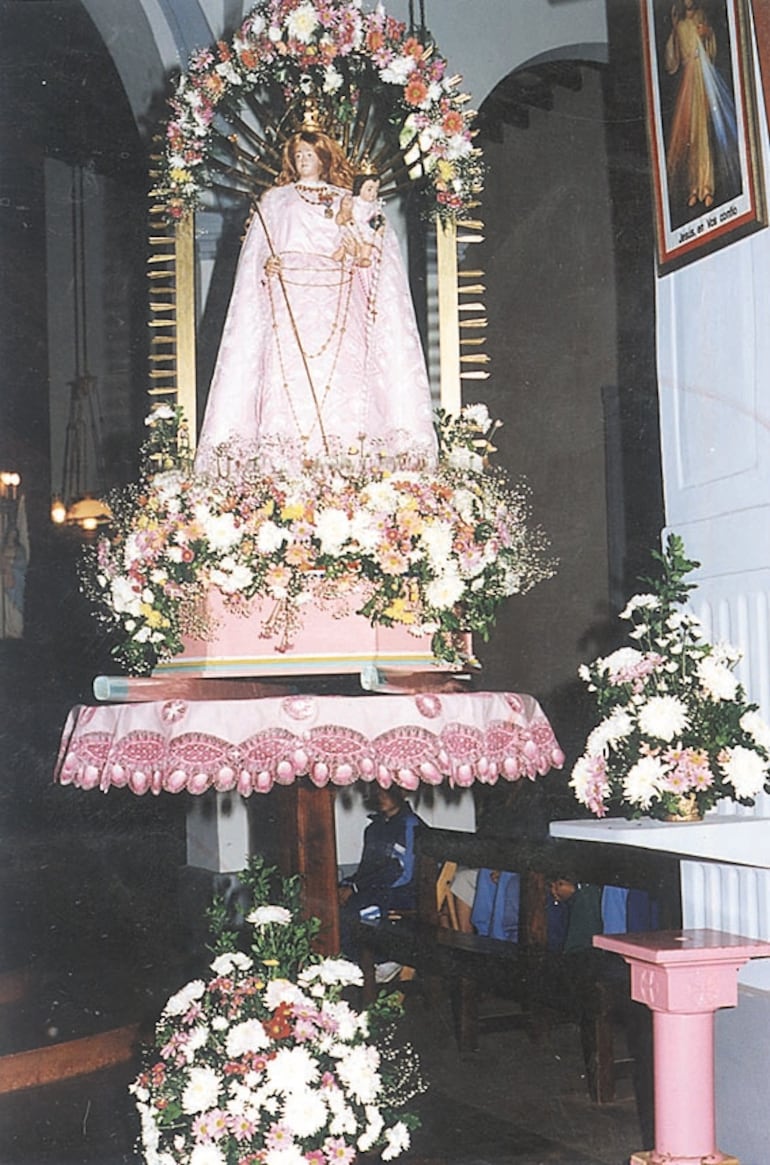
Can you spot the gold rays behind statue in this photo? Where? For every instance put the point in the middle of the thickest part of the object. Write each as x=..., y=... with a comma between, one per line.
x=248, y=136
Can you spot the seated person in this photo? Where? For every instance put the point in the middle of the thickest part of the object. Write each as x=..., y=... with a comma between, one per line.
x=384, y=882
x=487, y=902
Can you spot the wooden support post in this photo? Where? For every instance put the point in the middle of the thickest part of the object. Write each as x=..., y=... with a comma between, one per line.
x=309, y=848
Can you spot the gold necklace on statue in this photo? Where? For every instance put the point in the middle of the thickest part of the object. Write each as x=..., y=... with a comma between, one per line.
x=324, y=197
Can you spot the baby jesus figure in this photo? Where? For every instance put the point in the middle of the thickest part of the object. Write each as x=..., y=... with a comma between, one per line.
x=361, y=221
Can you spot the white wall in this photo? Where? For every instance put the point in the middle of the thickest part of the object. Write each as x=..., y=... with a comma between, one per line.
x=713, y=356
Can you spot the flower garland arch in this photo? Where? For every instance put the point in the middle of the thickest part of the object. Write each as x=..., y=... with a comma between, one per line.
x=361, y=67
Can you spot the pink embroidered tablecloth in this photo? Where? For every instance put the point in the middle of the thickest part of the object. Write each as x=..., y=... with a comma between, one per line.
x=251, y=745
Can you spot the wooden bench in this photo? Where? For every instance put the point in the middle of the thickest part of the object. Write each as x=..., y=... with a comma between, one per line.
x=582, y=985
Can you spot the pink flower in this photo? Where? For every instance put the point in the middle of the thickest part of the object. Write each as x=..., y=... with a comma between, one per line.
x=278, y=1137
x=336, y=1150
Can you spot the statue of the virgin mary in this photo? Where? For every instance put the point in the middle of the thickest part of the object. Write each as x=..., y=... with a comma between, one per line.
x=320, y=352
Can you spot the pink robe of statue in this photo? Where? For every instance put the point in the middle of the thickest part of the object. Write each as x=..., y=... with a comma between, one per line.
x=324, y=338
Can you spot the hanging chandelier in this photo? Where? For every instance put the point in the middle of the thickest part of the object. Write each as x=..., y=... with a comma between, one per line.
x=83, y=476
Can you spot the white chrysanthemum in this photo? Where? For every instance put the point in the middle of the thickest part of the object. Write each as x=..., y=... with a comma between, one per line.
x=291, y=1070
x=664, y=717
x=343, y=1017
x=380, y=495
x=643, y=782
x=201, y=1091
x=716, y=679
x=332, y=972
x=619, y=661
x=220, y=1023
x=646, y=602
x=458, y=145
x=744, y=769
x=285, y=1155
x=612, y=729
x=230, y=961
x=397, y=1141
x=332, y=528
x=279, y=991
x=150, y=1131
x=464, y=503
x=302, y=23
x=757, y=728
x=364, y=530
x=168, y=485
x=230, y=582
x=343, y=1123
x=478, y=415
x=196, y=1039
x=125, y=600
x=270, y=538
x=358, y=1071
x=263, y=915
x=221, y=532
x=444, y=591
x=248, y=1036
x=332, y=79
x=305, y=1113
x=207, y=1153
x=159, y=413
x=581, y=778
x=465, y=459
x=181, y=1002
x=374, y=1126
x=436, y=537
x=397, y=72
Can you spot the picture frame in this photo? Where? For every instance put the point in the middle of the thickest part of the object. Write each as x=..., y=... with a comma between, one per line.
x=702, y=126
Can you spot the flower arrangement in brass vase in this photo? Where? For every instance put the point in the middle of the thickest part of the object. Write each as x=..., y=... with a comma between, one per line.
x=676, y=732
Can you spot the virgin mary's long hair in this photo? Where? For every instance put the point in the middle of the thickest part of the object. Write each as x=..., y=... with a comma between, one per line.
x=335, y=167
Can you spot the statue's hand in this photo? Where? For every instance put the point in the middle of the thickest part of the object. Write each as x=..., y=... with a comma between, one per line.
x=273, y=265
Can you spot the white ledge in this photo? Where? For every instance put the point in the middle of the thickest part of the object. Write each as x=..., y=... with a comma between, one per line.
x=742, y=841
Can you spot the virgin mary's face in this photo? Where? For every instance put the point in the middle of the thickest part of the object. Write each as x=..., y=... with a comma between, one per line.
x=307, y=163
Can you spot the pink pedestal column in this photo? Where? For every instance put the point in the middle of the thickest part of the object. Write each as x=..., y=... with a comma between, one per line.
x=683, y=976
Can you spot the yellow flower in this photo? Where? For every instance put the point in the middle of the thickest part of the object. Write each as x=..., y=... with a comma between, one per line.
x=292, y=511
x=177, y=174
x=400, y=612
x=446, y=169
x=154, y=618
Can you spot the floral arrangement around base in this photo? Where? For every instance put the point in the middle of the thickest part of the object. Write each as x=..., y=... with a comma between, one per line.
x=334, y=50
x=677, y=733
x=436, y=550
x=264, y=1062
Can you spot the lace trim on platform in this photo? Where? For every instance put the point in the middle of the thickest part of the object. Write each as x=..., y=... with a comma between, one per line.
x=194, y=762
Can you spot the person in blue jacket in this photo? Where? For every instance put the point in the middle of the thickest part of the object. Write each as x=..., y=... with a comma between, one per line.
x=385, y=878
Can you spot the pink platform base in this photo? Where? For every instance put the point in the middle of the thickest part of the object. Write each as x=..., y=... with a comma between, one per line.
x=325, y=643
x=684, y=976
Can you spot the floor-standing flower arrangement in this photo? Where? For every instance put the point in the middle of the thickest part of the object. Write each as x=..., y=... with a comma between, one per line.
x=265, y=1062
x=676, y=733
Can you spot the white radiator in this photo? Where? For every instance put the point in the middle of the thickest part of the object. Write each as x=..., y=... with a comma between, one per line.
x=722, y=897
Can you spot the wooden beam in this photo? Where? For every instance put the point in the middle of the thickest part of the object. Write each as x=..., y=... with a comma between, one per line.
x=47, y=1065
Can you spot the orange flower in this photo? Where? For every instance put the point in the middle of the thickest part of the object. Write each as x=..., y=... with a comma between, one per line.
x=413, y=48
x=415, y=91
x=374, y=40
x=249, y=59
x=279, y=1027
x=452, y=122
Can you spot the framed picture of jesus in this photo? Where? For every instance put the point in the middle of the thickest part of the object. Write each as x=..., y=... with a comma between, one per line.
x=701, y=116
